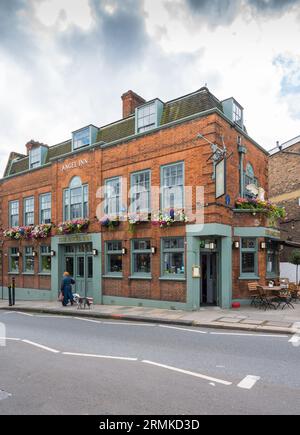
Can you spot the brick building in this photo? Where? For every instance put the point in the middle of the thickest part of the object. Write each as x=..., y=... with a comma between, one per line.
x=195, y=140
x=284, y=190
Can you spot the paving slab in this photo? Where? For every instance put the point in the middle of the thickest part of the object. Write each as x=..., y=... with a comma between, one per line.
x=280, y=324
x=229, y=320
x=253, y=321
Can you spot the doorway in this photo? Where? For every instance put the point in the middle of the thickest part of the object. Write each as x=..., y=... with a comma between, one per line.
x=78, y=261
x=209, y=278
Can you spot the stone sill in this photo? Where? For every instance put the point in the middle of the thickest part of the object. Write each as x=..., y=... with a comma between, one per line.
x=248, y=210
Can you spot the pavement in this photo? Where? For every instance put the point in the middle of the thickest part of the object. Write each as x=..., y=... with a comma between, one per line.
x=246, y=318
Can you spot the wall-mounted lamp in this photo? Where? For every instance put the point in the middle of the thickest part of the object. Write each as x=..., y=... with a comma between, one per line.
x=95, y=252
x=212, y=246
x=19, y=254
x=52, y=253
x=236, y=244
x=34, y=253
x=263, y=245
x=124, y=251
x=153, y=250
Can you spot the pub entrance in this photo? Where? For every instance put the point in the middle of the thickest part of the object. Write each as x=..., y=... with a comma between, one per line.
x=78, y=261
x=209, y=281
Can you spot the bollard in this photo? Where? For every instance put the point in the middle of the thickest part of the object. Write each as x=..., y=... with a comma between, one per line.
x=9, y=296
x=13, y=291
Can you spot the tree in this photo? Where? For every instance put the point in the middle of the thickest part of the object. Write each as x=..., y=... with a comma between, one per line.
x=295, y=259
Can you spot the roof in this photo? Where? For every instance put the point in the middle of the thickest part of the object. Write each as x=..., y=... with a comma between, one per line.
x=285, y=145
x=174, y=110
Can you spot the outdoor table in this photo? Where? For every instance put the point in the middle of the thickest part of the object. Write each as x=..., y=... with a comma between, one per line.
x=278, y=290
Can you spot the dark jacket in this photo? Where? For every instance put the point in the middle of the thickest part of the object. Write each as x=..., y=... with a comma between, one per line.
x=66, y=284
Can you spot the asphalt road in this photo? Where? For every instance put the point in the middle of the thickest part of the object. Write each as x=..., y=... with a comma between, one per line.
x=57, y=365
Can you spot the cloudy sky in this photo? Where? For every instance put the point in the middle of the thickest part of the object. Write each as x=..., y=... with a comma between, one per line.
x=65, y=63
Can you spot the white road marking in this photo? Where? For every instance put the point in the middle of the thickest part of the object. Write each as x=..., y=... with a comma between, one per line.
x=86, y=320
x=295, y=339
x=8, y=338
x=49, y=349
x=186, y=372
x=249, y=335
x=99, y=356
x=23, y=314
x=182, y=329
x=248, y=382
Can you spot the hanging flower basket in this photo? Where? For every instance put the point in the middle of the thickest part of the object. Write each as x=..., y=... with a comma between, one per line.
x=28, y=232
x=110, y=222
x=272, y=211
x=167, y=219
x=41, y=231
x=137, y=219
x=73, y=226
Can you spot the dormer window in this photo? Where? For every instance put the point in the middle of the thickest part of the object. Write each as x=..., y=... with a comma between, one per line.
x=81, y=138
x=148, y=116
x=237, y=113
x=35, y=157
x=84, y=137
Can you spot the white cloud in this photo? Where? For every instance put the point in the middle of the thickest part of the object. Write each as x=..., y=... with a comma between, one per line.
x=65, y=63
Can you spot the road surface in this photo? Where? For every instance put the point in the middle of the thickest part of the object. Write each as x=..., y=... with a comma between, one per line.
x=59, y=365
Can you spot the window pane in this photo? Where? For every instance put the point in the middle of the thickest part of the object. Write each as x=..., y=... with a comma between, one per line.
x=142, y=263
x=248, y=243
x=81, y=138
x=141, y=245
x=80, y=267
x=112, y=196
x=146, y=117
x=90, y=267
x=177, y=243
x=140, y=192
x=114, y=246
x=173, y=263
x=14, y=264
x=114, y=263
x=29, y=263
x=248, y=262
x=46, y=263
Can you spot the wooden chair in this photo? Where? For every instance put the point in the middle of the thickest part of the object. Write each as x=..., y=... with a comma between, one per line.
x=254, y=293
x=267, y=300
x=294, y=291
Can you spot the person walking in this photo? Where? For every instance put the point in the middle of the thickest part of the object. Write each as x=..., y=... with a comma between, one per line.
x=66, y=289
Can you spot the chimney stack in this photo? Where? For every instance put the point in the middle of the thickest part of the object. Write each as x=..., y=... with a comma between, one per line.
x=131, y=100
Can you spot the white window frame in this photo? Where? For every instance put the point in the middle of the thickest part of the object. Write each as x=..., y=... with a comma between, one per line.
x=139, y=193
x=29, y=211
x=35, y=157
x=171, y=188
x=11, y=215
x=43, y=210
x=113, y=199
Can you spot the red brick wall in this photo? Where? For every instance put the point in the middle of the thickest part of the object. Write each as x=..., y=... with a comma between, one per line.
x=168, y=145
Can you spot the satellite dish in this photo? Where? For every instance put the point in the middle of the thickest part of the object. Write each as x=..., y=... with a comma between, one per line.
x=253, y=189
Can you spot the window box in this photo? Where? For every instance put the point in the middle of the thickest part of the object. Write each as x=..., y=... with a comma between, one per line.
x=73, y=227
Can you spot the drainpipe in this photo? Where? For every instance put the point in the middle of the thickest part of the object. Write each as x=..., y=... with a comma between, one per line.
x=242, y=151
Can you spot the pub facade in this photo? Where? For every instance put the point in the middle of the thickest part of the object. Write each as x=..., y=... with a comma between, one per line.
x=150, y=210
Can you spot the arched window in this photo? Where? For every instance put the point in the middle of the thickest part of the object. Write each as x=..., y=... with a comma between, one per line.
x=76, y=198
x=249, y=179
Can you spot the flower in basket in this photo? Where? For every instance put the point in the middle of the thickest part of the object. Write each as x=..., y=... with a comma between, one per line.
x=110, y=222
x=73, y=226
x=41, y=231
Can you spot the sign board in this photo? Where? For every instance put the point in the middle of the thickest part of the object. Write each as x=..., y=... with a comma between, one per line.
x=220, y=178
x=75, y=164
x=75, y=238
